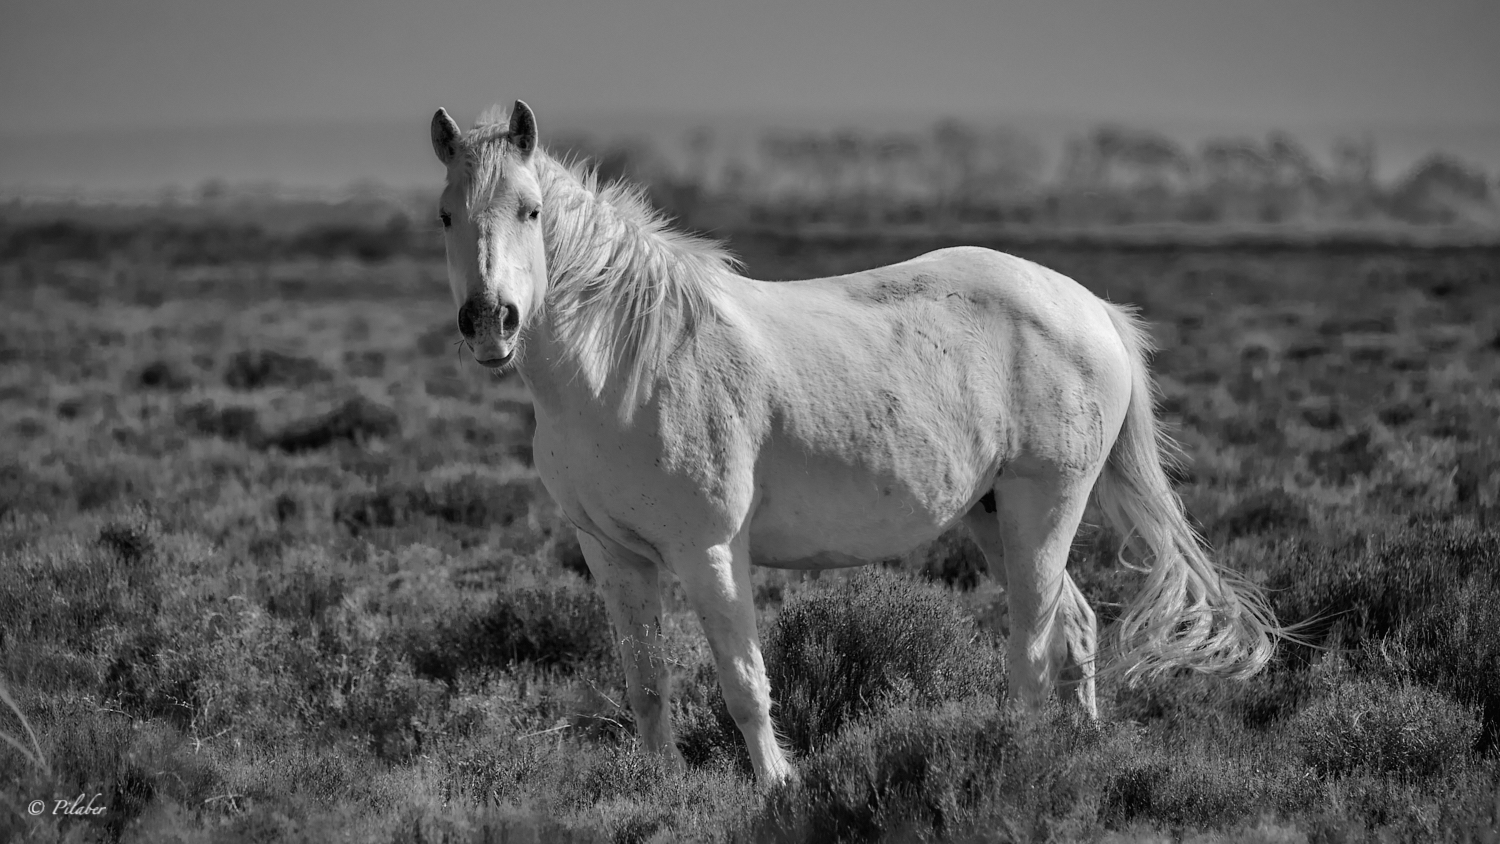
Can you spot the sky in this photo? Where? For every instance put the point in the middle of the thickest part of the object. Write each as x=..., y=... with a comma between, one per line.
x=156, y=65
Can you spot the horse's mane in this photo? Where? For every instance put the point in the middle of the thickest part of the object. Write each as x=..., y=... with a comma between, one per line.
x=623, y=286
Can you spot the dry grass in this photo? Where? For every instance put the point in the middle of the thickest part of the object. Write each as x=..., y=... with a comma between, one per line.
x=274, y=565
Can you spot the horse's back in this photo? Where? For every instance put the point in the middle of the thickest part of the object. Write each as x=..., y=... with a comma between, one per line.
x=898, y=393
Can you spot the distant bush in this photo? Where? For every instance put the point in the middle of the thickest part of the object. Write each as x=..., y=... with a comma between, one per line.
x=479, y=502
x=836, y=653
x=365, y=364
x=1352, y=458
x=568, y=555
x=25, y=491
x=1387, y=728
x=304, y=592
x=163, y=375
x=472, y=501
x=1375, y=587
x=217, y=241
x=256, y=369
x=356, y=420
x=131, y=539
x=954, y=560
x=552, y=625
x=366, y=243
x=150, y=676
x=555, y=624
x=1263, y=512
x=231, y=423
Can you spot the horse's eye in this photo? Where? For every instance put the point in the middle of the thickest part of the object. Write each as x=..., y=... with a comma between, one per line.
x=446, y=218
x=535, y=213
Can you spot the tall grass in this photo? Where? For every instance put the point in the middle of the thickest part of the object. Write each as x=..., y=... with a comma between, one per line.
x=281, y=569
x=31, y=754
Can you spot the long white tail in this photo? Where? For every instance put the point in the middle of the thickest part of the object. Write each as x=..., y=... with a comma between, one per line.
x=1191, y=613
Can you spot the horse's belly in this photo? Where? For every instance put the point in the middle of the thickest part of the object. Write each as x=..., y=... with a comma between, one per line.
x=831, y=523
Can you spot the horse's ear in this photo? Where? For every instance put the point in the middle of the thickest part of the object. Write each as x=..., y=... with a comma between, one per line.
x=522, y=132
x=444, y=136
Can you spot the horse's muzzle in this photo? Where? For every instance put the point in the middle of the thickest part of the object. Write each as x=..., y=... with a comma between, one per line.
x=496, y=359
x=491, y=331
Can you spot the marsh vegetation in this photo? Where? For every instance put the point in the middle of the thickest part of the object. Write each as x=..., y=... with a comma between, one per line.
x=275, y=565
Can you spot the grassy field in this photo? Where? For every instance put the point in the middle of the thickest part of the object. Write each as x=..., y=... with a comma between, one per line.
x=275, y=565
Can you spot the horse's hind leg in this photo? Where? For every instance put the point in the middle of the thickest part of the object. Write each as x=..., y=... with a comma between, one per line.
x=1081, y=632
x=632, y=596
x=1053, y=632
x=984, y=527
x=717, y=583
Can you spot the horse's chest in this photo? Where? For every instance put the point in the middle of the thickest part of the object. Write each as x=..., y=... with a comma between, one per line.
x=638, y=485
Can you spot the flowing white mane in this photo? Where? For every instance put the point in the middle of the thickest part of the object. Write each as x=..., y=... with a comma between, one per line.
x=623, y=286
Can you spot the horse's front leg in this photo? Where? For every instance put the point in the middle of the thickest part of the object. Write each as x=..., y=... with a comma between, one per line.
x=717, y=582
x=632, y=596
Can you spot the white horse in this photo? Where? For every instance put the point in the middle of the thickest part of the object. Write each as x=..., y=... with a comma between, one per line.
x=693, y=421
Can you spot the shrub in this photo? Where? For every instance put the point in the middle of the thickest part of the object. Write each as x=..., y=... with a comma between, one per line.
x=24, y=491
x=1428, y=592
x=554, y=624
x=494, y=775
x=1378, y=587
x=151, y=677
x=472, y=500
x=568, y=555
x=479, y=502
x=1355, y=457
x=231, y=423
x=355, y=420
x=163, y=375
x=255, y=369
x=1186, y=792
x=705, y=732
x=1388, y=728
x=908, y=775
x=1271, y=510
x=1454, y=644
x=1258, y=703
x=365, y=364
x=304, y=592
x=131, y=539
x=835, y=653
x=622, y=771
x=954, y=560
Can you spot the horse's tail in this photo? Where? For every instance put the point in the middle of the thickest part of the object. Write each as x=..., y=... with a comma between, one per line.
x=1190, y=613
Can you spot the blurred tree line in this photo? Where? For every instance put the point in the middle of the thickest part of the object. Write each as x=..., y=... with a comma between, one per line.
x=957, y=172
x=950, y=174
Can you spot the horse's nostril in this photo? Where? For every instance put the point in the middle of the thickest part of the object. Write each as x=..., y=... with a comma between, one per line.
x=510, y=318
x=466, y=321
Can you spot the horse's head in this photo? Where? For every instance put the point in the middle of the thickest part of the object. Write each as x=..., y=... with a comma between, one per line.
x=491, y=215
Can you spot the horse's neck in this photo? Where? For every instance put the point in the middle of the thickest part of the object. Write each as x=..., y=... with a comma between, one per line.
x=622, y=288
x=550, y=366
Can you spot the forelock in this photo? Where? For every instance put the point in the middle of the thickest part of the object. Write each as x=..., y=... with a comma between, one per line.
x=485, y=156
